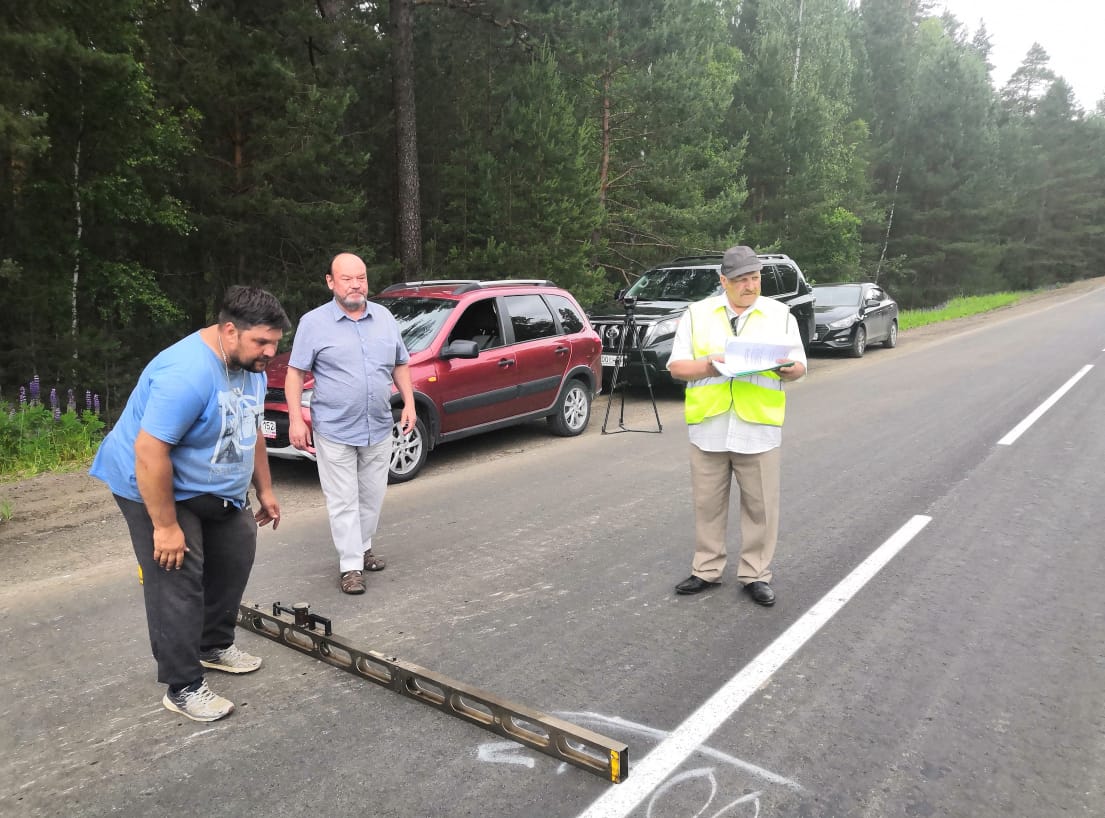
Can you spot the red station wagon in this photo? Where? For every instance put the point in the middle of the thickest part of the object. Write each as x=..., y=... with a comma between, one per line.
x=484, y=355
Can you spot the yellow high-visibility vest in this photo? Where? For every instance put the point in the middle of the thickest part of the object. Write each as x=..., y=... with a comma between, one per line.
x=755, y=398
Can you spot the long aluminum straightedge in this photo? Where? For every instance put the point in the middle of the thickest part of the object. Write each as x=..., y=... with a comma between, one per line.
x=296, y=627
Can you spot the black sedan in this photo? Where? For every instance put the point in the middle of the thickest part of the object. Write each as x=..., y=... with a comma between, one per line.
x=853, y=316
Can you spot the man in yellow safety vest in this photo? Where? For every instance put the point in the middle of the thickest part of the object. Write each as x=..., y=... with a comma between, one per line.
x=735, y=423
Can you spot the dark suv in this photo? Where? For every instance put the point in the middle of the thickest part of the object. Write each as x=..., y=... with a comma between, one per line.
x=484, y=355
x=658, y=299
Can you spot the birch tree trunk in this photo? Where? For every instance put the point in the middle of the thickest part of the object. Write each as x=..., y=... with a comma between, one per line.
x=78, y=221
x=889, y=222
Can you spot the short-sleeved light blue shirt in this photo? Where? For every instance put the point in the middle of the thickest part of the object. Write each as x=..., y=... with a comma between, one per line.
x=352, y=361
x=186, y=398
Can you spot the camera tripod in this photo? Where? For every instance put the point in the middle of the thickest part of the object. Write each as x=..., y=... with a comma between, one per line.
x=621, y=358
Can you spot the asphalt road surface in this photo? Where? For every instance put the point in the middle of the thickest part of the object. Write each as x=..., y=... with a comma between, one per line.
x=937, y=648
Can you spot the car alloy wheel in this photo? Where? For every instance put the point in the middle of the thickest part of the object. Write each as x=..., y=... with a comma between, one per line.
x=892, y=339
x=408, y=452
x=859, y=342
x=573, y=411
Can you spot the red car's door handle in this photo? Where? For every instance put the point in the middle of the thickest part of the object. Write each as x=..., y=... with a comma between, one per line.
x=505, y=362
x=562, y=350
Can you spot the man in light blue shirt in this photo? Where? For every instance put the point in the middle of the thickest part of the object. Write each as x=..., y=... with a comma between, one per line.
x=355, y=352
x=180, y=461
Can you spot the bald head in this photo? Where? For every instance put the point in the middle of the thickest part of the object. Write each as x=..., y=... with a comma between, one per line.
x=348, y=281
x=347, y=263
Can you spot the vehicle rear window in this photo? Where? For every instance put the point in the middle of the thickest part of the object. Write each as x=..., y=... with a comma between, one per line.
x=788, y=278
x=769, y=284
x=530, y=317
x=570, y=320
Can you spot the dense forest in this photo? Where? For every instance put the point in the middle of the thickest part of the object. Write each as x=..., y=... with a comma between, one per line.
x=153, y=152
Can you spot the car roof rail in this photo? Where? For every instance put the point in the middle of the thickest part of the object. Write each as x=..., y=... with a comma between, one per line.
x=707, y=257
x=465, y=285
x=519, y=282
x=779, y=256
x=443, y=282
x=504, y=282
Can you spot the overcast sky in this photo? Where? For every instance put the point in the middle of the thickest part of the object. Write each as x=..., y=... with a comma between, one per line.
x=1072, y=32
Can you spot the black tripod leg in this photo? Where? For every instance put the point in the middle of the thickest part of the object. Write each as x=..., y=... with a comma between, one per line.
x=614, y=385
x=652, y=397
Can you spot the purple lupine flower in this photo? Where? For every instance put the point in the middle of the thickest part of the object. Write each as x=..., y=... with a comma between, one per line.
x=88, y=399
x=22, y=396
x=57, y=413
x=96, y=404
x=36, y=389
x=54, y=398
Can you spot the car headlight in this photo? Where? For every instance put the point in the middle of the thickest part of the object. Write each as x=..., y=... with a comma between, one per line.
x=305, y=398
x=843, y=322
x=662, y=329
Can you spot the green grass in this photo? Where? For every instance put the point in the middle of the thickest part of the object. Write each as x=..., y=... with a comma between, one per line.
x=958, y=308
x=35, y=438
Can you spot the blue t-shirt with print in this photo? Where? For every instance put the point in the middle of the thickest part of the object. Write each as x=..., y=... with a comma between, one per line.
x=186, y=398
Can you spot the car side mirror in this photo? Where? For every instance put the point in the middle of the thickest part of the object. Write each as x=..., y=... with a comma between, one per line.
x=871, y=302
x=619, y=294
x=461, y=349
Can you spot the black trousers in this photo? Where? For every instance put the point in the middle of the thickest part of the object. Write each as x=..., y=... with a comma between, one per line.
x=195, y=608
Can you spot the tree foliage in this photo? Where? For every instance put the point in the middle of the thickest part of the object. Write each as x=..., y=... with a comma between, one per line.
x=153, y=152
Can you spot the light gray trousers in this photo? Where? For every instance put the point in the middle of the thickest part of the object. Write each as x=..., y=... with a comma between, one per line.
x=354, y=480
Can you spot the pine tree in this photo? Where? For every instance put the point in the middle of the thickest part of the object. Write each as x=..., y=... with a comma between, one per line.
x=89, y=159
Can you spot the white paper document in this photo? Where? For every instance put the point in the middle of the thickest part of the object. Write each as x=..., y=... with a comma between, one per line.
x=744, y=357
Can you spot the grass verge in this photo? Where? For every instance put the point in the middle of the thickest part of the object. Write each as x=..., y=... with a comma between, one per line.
x=958, y=308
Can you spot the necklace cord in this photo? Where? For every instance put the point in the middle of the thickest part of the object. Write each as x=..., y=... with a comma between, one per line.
x=226, y=364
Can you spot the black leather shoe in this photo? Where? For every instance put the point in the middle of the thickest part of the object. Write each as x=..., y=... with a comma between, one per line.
x=761, y=593
x=692, y=585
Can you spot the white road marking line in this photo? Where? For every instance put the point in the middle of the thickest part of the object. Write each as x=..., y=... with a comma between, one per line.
x=1022, y=427
x=651, y=771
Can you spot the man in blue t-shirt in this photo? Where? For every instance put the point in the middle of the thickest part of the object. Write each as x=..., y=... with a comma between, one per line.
x=179, y=462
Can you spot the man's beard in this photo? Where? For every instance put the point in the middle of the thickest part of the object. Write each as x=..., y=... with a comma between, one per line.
x=350, y=304
x=256, y=365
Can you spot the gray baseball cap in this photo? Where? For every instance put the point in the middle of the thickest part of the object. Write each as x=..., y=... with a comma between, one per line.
x=739, y=261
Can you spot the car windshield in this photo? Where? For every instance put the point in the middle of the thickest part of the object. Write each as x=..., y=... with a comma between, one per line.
x=843, y=295
x=676, y=284
x=419, y=318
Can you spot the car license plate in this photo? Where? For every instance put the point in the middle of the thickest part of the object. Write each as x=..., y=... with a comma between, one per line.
x=268, y=428
x=612, y=360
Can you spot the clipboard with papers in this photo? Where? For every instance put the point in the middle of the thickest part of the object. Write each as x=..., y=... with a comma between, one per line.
x=745, y=357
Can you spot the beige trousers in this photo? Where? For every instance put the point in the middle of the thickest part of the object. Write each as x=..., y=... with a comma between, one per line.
x=757, y=475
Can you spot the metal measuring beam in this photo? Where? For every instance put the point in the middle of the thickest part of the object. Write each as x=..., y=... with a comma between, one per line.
x=296, y=627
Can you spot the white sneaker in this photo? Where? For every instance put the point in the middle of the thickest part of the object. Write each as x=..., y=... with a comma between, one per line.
x=199, y=704
x=230, y=660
